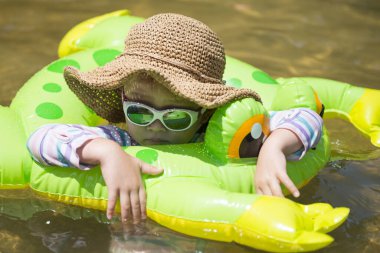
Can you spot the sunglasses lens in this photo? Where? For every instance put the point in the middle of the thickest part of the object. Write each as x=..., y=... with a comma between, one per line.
x=139, y=115
x=177, y=120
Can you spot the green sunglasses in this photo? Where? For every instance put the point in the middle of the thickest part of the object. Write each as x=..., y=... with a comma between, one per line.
x=173, y=119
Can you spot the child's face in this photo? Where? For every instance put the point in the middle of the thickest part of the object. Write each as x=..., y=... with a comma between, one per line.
x=146, y=90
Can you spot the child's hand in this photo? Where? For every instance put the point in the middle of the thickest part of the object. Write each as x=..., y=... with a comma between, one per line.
x=271, y=163
x=122, y=174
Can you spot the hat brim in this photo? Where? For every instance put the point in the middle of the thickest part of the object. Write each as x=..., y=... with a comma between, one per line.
x=100, y=89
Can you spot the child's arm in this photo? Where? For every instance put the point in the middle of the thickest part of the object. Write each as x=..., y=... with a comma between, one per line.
x=57, y=144
x=84, y=147
x=271, y=163
x=293, y=132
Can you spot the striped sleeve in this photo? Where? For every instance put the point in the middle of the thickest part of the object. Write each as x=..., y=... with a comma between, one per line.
x=57, y=144
x=303, y=122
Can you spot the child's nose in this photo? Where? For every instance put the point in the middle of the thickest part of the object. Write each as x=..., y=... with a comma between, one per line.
x=156, y=126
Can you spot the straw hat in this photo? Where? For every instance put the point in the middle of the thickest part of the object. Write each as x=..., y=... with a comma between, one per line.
x=179, y=52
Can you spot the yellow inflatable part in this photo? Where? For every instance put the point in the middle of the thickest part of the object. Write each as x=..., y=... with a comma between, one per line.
x=366, y=115
x=69, y=43
x=301, y=225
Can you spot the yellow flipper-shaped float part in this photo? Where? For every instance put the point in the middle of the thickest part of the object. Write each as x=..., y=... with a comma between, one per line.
x=296, y=227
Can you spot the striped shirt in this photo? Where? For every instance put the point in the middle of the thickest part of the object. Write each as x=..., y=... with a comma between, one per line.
x=57, y=144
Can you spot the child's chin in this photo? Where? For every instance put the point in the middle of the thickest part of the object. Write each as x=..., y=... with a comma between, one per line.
x=148, y=142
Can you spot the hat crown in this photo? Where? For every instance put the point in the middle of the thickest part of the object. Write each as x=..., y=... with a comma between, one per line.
x=181, y=41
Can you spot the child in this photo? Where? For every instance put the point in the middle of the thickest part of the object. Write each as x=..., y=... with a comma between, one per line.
x=166, y=85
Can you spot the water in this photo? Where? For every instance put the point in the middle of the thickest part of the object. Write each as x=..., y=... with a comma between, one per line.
x=333, y=39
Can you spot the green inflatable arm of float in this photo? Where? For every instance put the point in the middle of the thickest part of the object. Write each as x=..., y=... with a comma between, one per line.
x=206, y=190
x=360, y=106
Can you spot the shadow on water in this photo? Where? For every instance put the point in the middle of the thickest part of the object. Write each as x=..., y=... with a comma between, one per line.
x=332, y=39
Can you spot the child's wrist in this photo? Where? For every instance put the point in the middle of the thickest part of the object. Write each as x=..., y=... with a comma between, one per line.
x=98, y=150
x=273, y=142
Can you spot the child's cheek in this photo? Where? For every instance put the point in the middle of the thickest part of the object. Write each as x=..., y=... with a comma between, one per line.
x=135, y=132
x=182, y=137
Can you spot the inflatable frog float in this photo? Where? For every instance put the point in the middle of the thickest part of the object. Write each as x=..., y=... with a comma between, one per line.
x=207, y=189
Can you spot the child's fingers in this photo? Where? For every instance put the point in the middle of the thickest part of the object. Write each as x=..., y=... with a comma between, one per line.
x=265, y=189
x=276, y=189
x=111, y=203
x=150, y=169
x=289, y=185
x=125, y=206
x=135, y=205
x=142, y=195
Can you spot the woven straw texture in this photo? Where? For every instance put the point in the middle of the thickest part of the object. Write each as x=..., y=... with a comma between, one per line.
x=179, y=52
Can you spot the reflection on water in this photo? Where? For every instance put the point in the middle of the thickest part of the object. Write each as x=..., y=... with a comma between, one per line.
x=27, y=222
x=347, y=142
x=332, y=39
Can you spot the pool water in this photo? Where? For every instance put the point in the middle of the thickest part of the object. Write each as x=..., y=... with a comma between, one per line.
x=331, y=39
